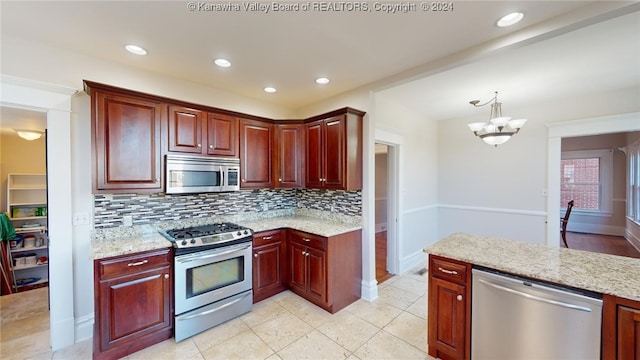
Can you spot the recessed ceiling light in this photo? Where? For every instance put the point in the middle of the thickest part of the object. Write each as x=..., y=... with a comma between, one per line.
x=322, y=80
x=510, y=19
x=222, y=62
x=270, y=89
x=134, y=49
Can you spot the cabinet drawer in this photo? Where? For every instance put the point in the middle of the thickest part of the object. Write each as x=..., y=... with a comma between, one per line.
x=266, y=237
x=128, y=264
x=448, y=269
x=312, y=241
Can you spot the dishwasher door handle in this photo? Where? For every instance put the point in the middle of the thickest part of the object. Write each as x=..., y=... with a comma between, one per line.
x=534, y=297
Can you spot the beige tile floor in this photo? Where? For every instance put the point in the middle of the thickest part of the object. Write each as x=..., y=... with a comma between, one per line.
x=284, y=327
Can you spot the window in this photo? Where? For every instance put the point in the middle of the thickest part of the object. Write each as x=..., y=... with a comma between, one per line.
x=586, y=179
x=633, y=191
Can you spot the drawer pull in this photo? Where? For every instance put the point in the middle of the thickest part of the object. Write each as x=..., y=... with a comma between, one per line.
x=138, y=263
x=255, y=255
x=166, y=276
x=450, y=272
x=459, y=297
x=305, y=239
x=267, y=237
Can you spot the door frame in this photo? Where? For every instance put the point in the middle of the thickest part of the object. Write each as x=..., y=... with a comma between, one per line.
x=56, y=102
x=394, y=201
x=583, y=127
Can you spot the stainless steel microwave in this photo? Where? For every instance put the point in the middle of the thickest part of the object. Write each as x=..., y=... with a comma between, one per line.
x=193, y=174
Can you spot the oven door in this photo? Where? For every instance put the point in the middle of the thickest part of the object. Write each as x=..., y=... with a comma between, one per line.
x=204, y=277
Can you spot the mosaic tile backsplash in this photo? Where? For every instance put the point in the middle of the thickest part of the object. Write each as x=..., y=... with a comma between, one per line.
x=109, y=210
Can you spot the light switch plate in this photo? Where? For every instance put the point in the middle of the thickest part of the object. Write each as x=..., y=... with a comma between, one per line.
x=81, y=218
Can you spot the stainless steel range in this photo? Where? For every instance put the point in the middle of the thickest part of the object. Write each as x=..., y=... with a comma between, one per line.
x=213, y=276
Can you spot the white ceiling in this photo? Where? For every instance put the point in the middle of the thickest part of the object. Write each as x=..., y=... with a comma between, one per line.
x=437, y=61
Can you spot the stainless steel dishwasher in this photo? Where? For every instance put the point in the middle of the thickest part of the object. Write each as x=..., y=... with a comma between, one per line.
x=516, y=319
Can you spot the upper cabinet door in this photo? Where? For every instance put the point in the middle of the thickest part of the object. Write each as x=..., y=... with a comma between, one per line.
x=289, y=155
x=222, y=135
x=255, y=154
x=185, y=130
x=334, y=154
x=314, y=155
x=334, y=151
x=126, y=146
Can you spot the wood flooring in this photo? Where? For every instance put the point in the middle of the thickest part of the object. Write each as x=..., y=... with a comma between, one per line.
x=606, y=244
x=381, y=257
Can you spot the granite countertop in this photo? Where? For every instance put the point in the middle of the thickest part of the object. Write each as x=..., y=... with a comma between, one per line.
x=602, y=273
x=131, y=239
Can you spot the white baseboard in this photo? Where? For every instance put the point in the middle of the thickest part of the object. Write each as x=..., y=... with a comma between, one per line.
x=633, y=240
x=369, y=290
x=415, y=259
x=84, y=328
x=596, y=229
x=381, y=227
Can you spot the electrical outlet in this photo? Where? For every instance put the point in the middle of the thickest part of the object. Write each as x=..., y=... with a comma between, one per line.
x=81, y=218
x=127, y=220
x=265, y=207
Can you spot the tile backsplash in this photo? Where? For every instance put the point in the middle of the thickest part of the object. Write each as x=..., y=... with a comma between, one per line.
x=109, y=210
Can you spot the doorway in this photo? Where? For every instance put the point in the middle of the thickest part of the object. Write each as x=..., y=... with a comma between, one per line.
x=55, y=101
x=388, y=219
x=566, y=129
x=381, y=212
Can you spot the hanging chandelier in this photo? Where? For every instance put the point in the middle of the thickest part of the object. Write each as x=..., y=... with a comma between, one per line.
x=500, y=128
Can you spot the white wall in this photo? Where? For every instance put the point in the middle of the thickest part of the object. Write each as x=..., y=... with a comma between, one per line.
x=498, y=191
x=418, y=178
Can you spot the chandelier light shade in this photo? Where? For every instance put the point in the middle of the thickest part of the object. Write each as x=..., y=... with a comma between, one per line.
x=29, y=134
x=500, y=128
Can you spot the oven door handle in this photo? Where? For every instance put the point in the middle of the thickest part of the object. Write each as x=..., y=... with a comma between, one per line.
x=214, y=254
x=216, y=309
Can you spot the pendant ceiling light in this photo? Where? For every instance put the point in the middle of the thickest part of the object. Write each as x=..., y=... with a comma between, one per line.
x=29, y=134
x=500, y=128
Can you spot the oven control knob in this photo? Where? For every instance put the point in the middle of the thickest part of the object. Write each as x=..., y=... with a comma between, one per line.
x=193, y=241
x=184, y=242
x=239, y=233
x=246, y=232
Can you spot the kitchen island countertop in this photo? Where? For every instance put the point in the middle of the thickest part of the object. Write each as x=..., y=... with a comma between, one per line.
x=602, y=273
x=131, y=239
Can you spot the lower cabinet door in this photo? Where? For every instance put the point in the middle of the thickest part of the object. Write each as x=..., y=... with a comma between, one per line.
x=628, y=333
x=298, y=271
x=317, y=285
x=447, y=308
x=135, y=305
x=267, y=270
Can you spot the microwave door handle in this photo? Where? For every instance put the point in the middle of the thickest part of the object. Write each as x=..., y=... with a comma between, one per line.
x=222, y=186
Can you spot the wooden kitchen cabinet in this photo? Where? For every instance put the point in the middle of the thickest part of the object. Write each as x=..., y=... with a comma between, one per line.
x=449, y=308
x=288, y=160
x=256, y=139
x=185, y=130
x=620, y=328
x=126, y=141
x=325, y=271
x=201, y=133
x=269, y=264
x=333, y=156
x=133, y=302
x=222, y=135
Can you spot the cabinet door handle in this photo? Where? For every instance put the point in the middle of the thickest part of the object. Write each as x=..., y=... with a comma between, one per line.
x=138, y=263
x=280, y=179
x=450, y=272
x=199, y=145
x=210, y=146
x=459, y=297
x=267, y=237
x=305, y=239
x=166, y=276
x=255, y=255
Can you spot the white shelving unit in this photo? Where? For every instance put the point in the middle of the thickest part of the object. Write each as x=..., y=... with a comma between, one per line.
x=27, y=207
